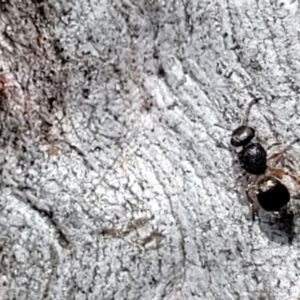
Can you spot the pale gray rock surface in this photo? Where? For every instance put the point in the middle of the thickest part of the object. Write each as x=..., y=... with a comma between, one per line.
x=114, y=182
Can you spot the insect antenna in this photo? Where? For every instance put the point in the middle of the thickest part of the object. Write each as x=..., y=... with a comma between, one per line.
x=247, y=113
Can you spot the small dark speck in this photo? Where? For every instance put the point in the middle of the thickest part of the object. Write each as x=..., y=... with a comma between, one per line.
x=278, y=283
x=85, y=93
x=161, y=72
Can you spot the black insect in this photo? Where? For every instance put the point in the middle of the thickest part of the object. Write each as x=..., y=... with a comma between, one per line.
x=271, y=194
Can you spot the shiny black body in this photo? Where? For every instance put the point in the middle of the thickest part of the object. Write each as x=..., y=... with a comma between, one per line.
x=271, y=194
x=253, y=158
x=242, y=136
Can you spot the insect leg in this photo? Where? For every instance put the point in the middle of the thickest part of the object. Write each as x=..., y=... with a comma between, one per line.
x=279, y=155
x=281, y=172
x=250, y=186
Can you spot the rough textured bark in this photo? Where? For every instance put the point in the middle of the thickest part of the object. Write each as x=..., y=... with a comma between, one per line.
x=114, y=180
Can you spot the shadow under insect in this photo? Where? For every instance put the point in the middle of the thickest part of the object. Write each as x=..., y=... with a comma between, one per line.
x=278, y=228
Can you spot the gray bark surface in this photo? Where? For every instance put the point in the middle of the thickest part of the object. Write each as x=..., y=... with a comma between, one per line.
x=115, y=183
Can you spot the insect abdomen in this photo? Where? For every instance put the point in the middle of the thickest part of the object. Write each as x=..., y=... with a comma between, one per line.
x=272, y=195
